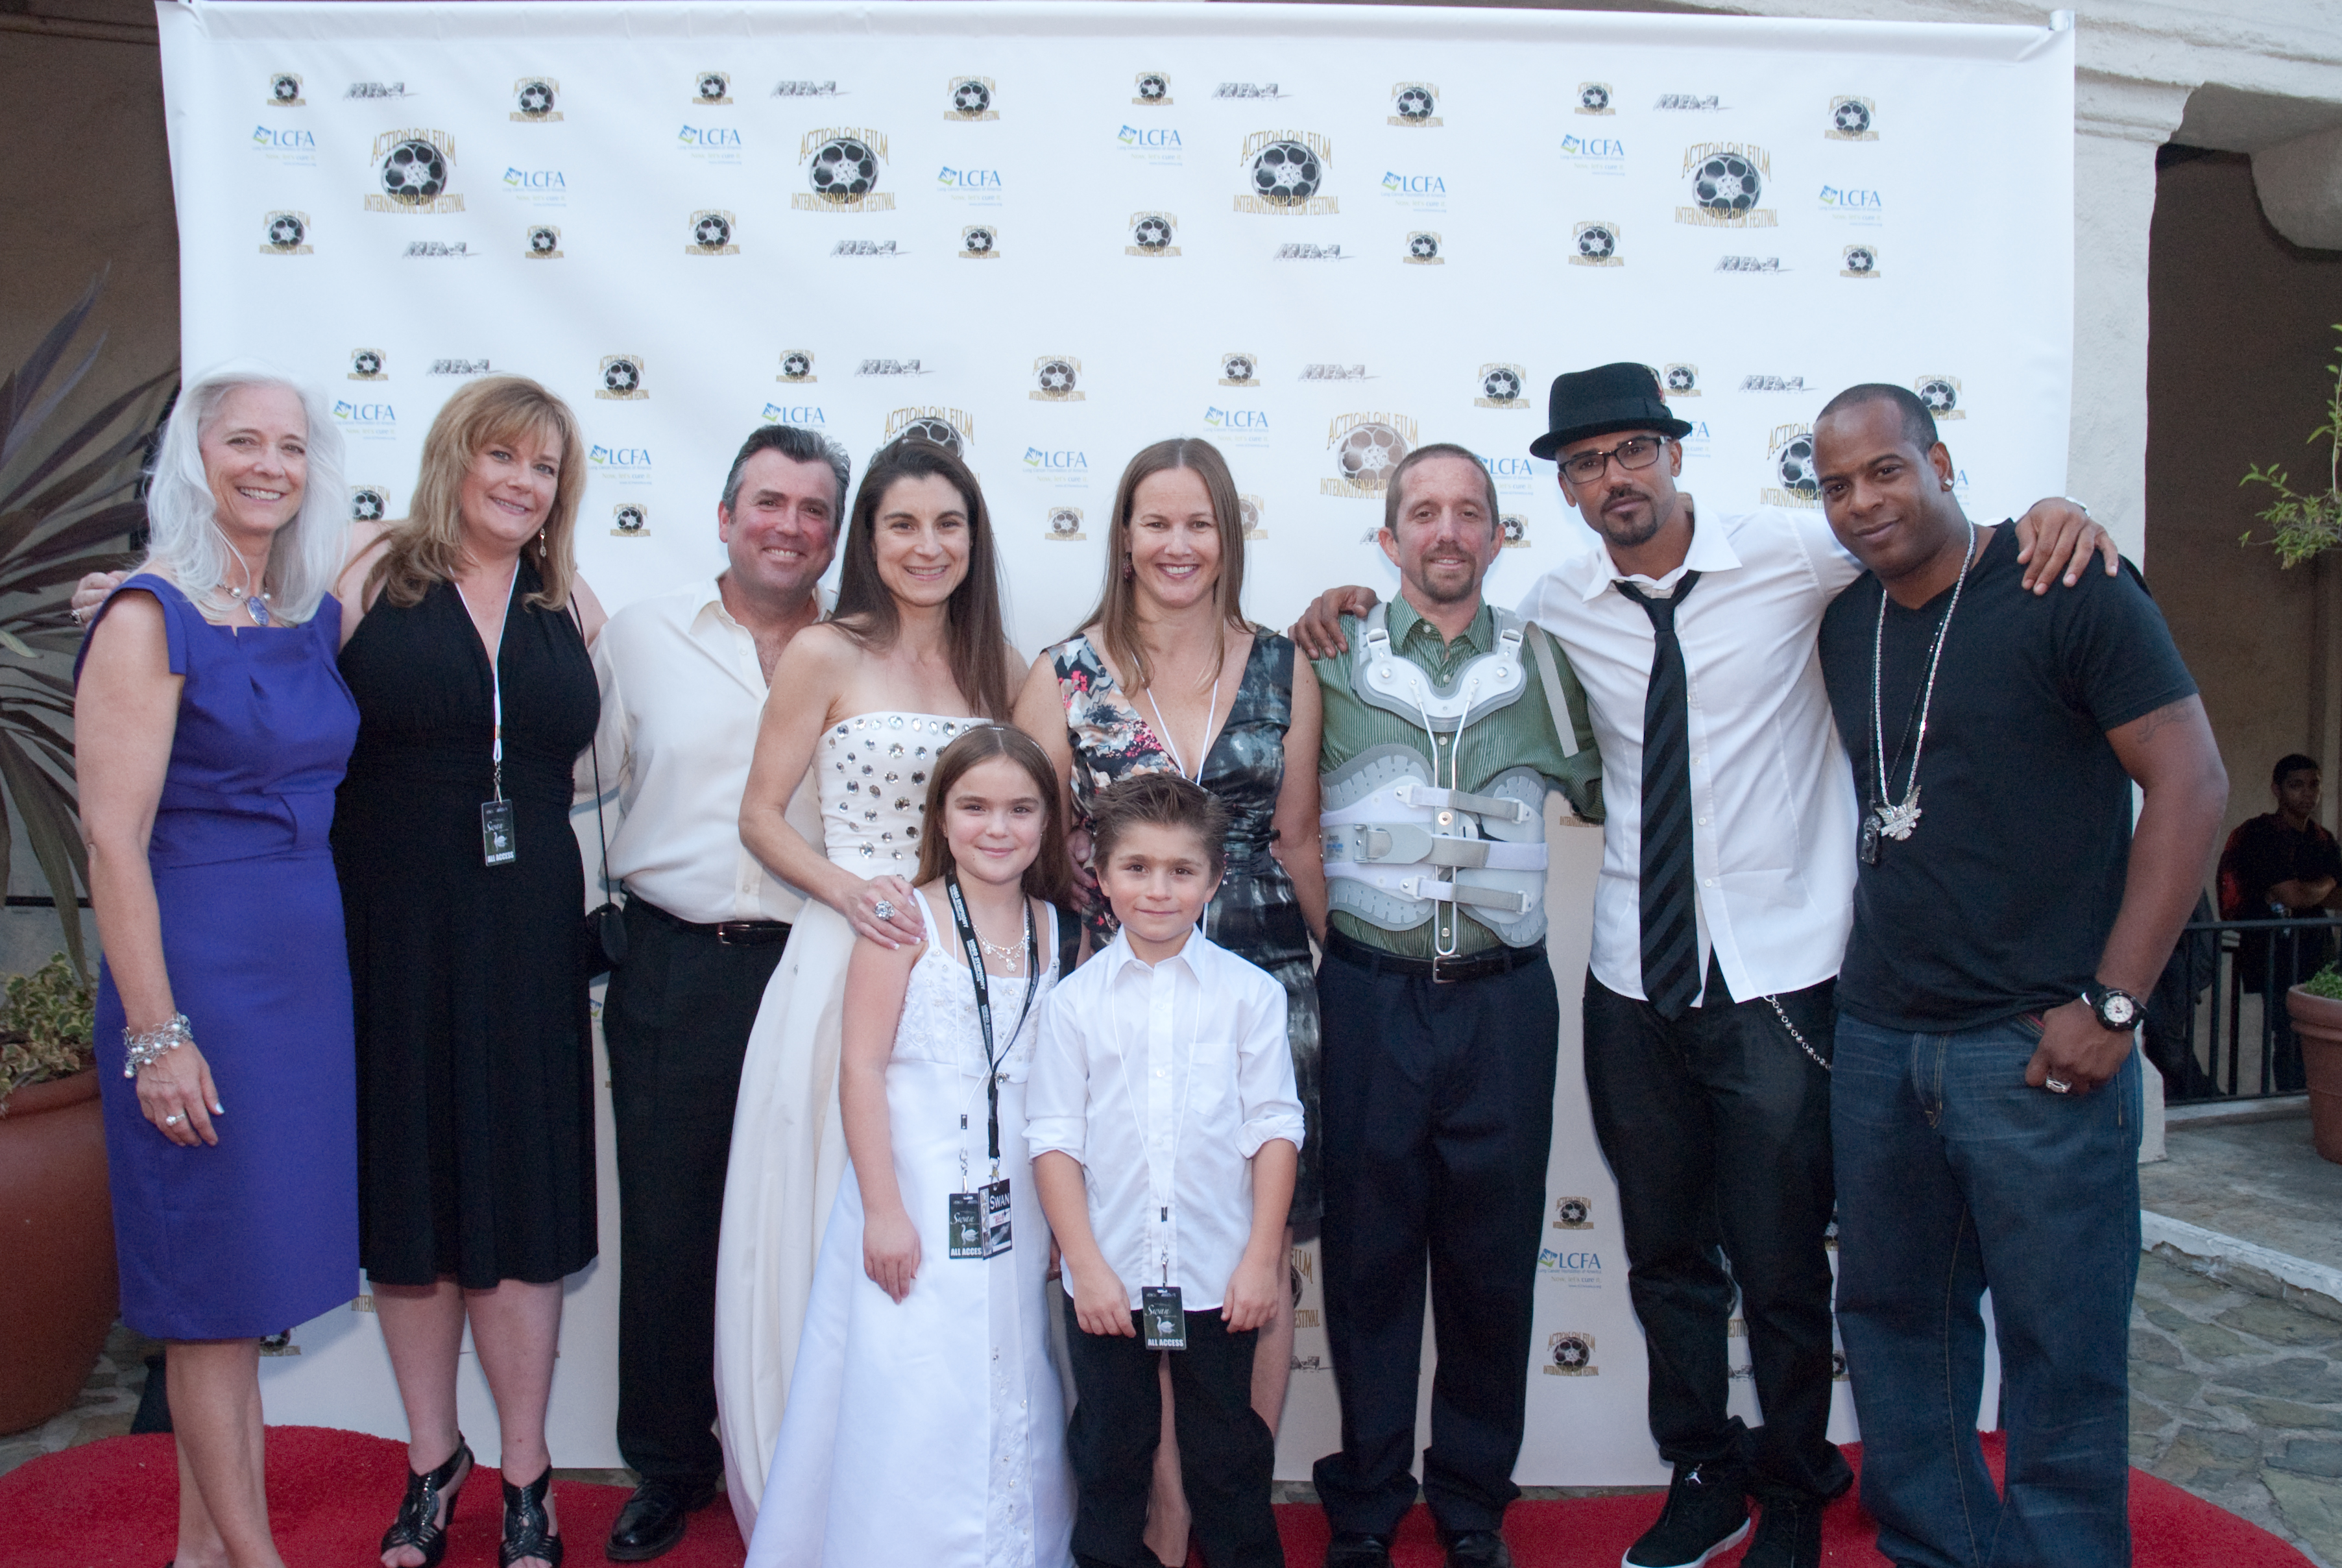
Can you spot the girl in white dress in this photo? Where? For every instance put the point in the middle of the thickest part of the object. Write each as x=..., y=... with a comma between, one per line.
x=925, y=1421
x=913, y=655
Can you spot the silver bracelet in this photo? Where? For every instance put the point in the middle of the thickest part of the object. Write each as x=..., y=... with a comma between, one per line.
x=142, y=1050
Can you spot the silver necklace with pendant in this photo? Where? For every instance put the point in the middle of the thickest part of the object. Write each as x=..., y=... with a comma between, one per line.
x=255, y=599
x=1888, y=818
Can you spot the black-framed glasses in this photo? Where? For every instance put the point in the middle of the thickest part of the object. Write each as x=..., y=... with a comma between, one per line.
x=1634, y=452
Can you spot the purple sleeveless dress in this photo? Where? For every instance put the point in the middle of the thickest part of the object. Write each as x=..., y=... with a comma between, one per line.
x=259, y=1232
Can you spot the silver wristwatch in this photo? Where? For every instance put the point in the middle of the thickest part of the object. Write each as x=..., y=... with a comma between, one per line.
x=2116, y=1008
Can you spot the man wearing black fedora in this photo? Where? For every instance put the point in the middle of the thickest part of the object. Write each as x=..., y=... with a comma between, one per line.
x=1720, y=918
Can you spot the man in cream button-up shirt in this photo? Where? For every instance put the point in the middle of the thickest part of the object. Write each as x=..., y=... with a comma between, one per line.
x=683, y=677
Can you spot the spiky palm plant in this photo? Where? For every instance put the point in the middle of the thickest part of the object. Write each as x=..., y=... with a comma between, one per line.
x=68, y=505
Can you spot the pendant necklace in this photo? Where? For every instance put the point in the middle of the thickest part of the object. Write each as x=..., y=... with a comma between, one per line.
x=1163, y=731
x=1011, y=954
x=1888, y=818
x=256, y=602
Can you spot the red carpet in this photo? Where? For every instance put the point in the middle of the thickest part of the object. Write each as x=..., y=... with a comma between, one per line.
x=114, y=1504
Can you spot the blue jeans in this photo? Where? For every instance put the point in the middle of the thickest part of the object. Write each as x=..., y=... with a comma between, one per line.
x=1953, y=1176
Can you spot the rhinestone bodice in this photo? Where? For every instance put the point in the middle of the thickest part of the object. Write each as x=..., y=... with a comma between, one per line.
x=874, y=770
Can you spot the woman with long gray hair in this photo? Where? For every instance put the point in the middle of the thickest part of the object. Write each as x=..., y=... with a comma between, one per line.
x=212, y=728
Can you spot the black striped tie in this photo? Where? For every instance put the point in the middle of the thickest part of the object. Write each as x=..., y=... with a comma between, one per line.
x=1670, y=929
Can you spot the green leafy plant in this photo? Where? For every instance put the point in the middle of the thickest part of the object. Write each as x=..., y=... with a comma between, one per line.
x=68, y=504
x=2303, y=526
x=2327, y=982
x=46, y=1030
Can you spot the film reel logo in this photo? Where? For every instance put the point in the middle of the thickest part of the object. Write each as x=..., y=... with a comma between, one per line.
x=796, y=367
x=1570, y=1354
x=1283, y=172
x=284, y=91
x=1796, y=480
x=1572, y=1213
x=622, y=379
x=979, y=242
x=544, y=243
x=1415, y=105
x=285, y=234
x=1366, y=449
x=630, y=520
x=948, y=428
x=1153, y=235
x=1239, y=370
x=1064, y=525
x=1678, y=381
x=1595, y=244
x=1152, y=90
x=1861, y=261
x=414, y=168
x=711, y=89
x=1516, y=530
x=369, y=504
x=1056, y=378
x=1249, y=508
x=369, y=365
x=1727, y=181
x=1423, y=249
x=1501, y=387
x=1941, y=394
x=842, y=166
x=971, y=99
x=536, y=100
x=1852, y=120
x=1594, y=98
x=713, y=234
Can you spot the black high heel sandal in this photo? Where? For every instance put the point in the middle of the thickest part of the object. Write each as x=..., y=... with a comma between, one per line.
x=420, y=1524
x=527, y=1528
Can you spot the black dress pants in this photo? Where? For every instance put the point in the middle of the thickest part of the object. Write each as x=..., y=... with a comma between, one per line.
x=677, y=1019
x=1716, y=1127
x=1227, y=1452
x=1437, y=1114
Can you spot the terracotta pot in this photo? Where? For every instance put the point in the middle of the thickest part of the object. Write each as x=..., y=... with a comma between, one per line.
x=2318, y=1024
x=58, y=1291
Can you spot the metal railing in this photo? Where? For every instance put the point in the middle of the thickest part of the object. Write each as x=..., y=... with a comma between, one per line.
x=2216, y=1024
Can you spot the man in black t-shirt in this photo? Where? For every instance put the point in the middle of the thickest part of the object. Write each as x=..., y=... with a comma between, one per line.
x=2275, y=866
x=2007, y=919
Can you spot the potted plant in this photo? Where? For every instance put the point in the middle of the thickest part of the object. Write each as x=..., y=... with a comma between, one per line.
x=59, y=1294
x=2316, y=1007
x=2305, y=524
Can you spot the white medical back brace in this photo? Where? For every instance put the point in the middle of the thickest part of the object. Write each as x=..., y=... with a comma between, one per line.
x=1397, y=842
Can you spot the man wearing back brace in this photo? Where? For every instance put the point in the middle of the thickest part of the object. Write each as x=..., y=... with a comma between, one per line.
x=1444, y=733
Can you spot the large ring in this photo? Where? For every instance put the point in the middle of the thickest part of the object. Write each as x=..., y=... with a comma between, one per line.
x=172, y=1119
x=883, y=910
x=80, y=616
x=2057, y=1086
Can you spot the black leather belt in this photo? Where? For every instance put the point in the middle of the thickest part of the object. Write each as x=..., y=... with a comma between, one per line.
x=729, y=933
x=1499, y=960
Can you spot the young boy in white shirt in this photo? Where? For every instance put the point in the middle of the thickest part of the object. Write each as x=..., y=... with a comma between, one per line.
x=1166, y=1131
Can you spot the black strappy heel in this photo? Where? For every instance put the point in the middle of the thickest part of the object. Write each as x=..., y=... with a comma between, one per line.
x=419, y=1523
x=527, y=1526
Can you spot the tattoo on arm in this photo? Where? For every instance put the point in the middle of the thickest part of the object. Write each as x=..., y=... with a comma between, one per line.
x=2170, y=714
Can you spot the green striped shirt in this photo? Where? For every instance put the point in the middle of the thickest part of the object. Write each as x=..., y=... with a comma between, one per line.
x=1521, y=734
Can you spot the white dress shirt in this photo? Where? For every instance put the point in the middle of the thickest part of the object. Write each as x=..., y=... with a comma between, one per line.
x=1164, y=1080
x=1773, y=803
x=682, y=694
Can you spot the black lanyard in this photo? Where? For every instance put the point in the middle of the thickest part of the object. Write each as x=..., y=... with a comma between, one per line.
x=975, y=951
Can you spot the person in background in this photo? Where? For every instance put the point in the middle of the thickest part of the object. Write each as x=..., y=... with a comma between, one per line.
x=683, y=676
x=2275, y=866
x=210, y=731
x=2008, y=918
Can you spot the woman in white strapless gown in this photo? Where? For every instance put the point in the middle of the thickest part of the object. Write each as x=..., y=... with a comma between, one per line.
x=913, y=656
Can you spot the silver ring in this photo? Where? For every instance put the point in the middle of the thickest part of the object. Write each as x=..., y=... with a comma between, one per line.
x=883, y=910
x=172, y=1119
x=80, y=616
x=2057, y=1086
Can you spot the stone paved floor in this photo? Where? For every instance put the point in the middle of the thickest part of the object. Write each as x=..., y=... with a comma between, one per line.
x=107, y=1401
x=2238, y=1398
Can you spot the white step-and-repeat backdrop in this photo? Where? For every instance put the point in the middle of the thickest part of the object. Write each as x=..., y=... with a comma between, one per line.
x=1051, y=234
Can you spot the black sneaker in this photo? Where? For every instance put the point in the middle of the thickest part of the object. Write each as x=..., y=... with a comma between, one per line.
x=1788, y=1534
x=1706, y=1512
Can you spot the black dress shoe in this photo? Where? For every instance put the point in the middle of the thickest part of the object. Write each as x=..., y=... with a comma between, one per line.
x=1356, y=1549
x=1479, y=1549
x=653, y=1519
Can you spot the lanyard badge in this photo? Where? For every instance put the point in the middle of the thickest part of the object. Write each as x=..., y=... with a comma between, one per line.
x=1163, y=1325
x=499, y=835
x=978, y=1222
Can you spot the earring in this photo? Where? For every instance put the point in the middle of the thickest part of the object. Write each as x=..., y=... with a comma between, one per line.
x=1128, y=571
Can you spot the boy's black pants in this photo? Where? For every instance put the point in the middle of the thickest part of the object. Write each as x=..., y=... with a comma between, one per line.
x=1225, y=1451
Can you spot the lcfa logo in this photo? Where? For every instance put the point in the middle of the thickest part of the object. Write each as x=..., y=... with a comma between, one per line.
x=375, y=415
x=709, y=143
x=1060, y=462
x=1853, y=206
x=1157, y=144
x=293, y=147
x=1603, y=155
x=622, y=461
